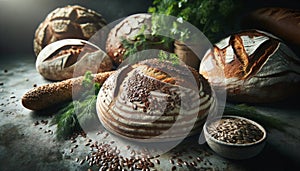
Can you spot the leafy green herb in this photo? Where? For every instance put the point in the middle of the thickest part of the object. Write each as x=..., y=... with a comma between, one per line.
x=79, y=111
x=172, y=57
x=213, y=17
x=143, y=41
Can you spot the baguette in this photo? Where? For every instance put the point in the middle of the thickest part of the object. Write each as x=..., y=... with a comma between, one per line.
x=52, y=94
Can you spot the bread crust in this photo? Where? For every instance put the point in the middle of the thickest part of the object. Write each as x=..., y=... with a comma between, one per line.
x=258, y=69
x=52, y=94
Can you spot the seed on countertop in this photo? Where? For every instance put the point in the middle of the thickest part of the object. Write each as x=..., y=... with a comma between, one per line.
x=151, y=164
x=76, y=159
x=81, y=161
x=179, y=164
x=199, y=159
x=157, y=161
x=36, y=123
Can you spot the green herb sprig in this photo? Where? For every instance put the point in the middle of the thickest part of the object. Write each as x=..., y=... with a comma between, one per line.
x=172, y=57
x=143, y=41
x=213, y=17
x=77, y=112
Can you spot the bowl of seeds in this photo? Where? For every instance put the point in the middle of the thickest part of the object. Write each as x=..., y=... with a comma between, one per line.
x=235, y=137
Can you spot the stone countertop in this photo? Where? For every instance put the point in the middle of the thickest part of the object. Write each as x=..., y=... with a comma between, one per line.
x=26, y=145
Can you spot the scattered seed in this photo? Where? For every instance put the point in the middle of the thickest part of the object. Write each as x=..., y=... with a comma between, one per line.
x=81, y=161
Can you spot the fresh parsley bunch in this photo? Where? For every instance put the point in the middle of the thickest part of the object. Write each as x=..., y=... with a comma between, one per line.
x=214, y=18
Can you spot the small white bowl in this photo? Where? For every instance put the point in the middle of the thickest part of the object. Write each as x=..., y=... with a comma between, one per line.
x=232, y=150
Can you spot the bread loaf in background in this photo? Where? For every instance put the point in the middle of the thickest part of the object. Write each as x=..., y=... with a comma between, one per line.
x=253, y=66
x=72, y=21
x=70, y=58
x=281, y=22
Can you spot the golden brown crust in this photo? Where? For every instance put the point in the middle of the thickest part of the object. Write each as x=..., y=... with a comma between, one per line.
x=244, y=64
x=67, y=22
x=70, y=58
x=152, y=97
x=55, y=93
x=126, y=30
x=258, y=69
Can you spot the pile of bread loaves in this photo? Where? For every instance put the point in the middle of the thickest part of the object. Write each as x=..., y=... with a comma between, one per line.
x=255, y=66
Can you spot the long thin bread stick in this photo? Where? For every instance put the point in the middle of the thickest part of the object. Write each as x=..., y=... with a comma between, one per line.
x=52, y=94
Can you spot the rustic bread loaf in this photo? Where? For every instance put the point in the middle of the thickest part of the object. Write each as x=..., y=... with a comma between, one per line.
x=72, y=21
x=253, y=66
x=70, y=58
x=127, y=32
x=154, y=101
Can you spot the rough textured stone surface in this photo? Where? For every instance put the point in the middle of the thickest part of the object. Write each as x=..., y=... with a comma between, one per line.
x=24, y=146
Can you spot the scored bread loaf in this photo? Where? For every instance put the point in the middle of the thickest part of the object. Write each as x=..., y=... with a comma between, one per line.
x=154, y=101
x=253, y=66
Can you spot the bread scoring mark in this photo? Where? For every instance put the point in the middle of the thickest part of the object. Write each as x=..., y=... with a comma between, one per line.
x=229, y=56
x=239, y=50
x=252, y=43
x=223, y=43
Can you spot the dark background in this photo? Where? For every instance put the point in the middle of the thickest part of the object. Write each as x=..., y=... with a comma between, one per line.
x=20, y=18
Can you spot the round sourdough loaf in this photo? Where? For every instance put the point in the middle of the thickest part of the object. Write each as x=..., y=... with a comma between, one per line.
x=72, y=21
x=253, y=66
x=154, y=101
